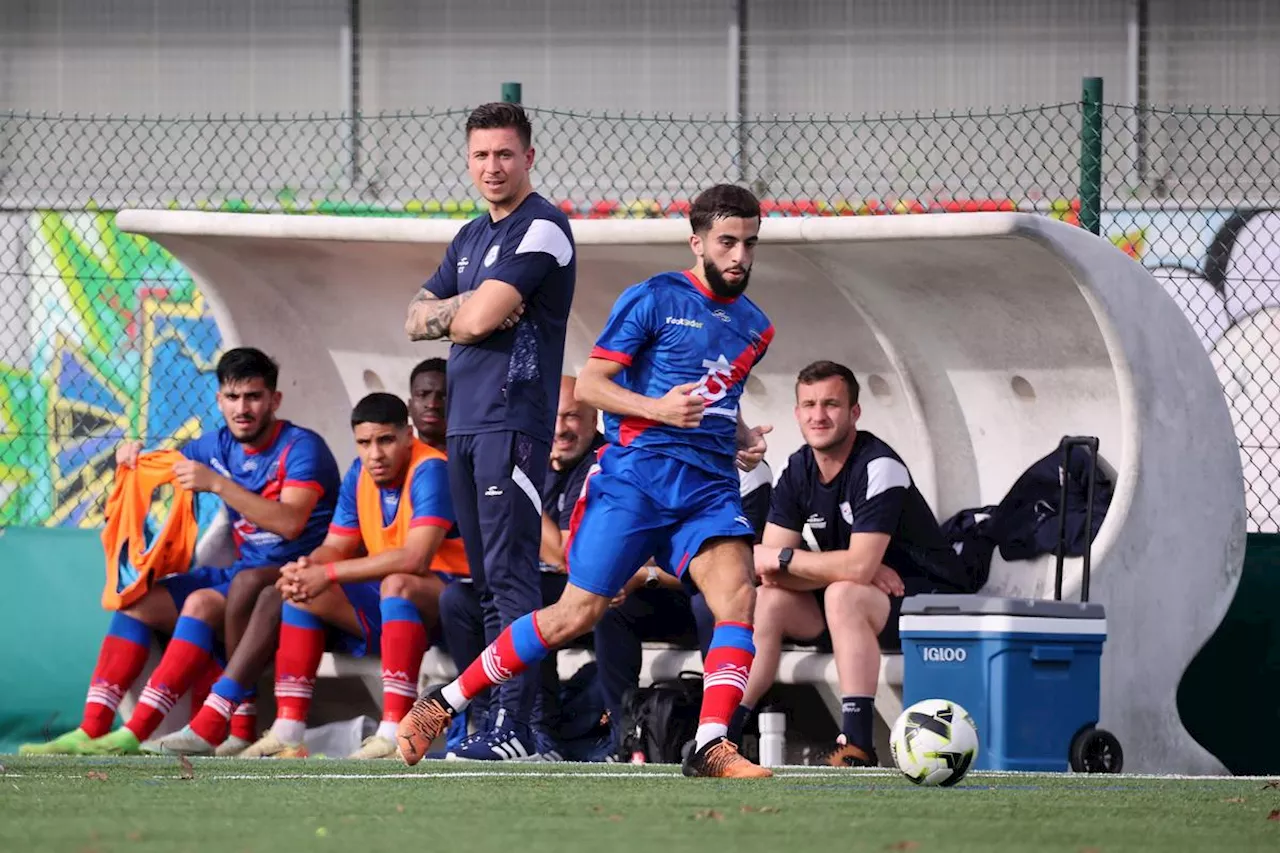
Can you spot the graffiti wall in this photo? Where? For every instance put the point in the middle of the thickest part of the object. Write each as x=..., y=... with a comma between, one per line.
x=105, y=336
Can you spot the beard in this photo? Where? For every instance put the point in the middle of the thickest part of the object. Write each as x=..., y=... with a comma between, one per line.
x=720, y=287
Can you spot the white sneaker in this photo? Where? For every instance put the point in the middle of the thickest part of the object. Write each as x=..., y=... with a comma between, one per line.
x=186, y=742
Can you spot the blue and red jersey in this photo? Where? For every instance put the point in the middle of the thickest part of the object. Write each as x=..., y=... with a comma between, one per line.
x=295, y=458
x=671, y=330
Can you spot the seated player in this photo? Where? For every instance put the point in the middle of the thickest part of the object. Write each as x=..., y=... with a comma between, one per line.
x=373, y=584
x=669, y=370
x=427, y=397
x=656, y=606
x=279, y=482
x=877, y=541
x=575, y=443
x=260, y=628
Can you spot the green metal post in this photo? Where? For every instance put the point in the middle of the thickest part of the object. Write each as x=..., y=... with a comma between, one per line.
x=1091, y=155
x=511, y=93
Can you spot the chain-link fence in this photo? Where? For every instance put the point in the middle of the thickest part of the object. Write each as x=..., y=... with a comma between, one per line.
x=104, y=335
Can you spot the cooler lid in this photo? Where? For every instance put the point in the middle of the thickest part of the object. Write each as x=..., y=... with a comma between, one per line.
x=940, y=604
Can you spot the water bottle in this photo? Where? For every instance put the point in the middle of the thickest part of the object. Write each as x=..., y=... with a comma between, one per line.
x=773, y=740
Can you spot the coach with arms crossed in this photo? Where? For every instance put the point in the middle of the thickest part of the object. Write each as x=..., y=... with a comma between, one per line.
x=877, y=542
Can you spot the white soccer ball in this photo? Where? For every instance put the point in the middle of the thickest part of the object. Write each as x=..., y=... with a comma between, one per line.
x=934, y=742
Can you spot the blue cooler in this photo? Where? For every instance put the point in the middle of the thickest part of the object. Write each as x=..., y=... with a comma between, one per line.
x=1026, y=670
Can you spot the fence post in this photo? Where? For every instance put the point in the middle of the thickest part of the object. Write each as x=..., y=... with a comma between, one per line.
x=511, y=93
x=1091, y=155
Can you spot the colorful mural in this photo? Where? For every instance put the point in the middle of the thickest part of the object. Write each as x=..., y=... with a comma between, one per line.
x=117, y=344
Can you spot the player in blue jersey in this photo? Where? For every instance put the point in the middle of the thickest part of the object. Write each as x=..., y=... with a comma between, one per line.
x=279, y=483
x=502, y=296
x=669, y=369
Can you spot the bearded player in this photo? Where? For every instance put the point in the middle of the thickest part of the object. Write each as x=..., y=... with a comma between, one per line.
x=669, y=371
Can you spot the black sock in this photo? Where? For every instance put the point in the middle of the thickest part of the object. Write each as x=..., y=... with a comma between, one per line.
x=858, y=714
x=739, y=722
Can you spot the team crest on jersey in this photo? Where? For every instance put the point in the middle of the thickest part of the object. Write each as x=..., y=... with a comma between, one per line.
x=492, y=254
x=846, y=512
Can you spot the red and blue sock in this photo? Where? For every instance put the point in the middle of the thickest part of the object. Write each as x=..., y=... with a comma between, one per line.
x=185, y=659
x=121, y=660
x=724, y=679
x=297, y=661
x=404, y=642
x=517, y=648
x=220, y=707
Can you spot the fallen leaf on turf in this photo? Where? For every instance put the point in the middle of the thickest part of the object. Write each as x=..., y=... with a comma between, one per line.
x=96, y=775
x=760, y=810
x=615, y=817
x=597, y=809
x=1274, y=783
x=904, y=845
x=187, y=772
x=399, y=808
x=1234, y=800
x=1275, y=815
x=708, y=814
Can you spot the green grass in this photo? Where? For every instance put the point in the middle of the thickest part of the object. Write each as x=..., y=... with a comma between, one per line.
x=144, y=804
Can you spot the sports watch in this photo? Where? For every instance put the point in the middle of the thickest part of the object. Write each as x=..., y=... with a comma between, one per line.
x=784, y=559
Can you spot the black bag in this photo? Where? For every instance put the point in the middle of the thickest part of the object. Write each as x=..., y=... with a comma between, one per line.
x=968, y=531
x=657, y=721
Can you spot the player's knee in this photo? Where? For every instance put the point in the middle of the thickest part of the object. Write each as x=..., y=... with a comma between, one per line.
x=850, y=604
x=397, y=586
x=268, y=604
x=205, y=605
x=733, y=604
x=771, y=608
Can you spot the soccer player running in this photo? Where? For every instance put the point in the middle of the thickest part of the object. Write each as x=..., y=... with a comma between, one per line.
x=669, y=370
x=502, y=295
x=279, y=482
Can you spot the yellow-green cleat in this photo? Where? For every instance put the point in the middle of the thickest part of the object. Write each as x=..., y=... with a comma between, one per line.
x=67, y=744
x=120, y=742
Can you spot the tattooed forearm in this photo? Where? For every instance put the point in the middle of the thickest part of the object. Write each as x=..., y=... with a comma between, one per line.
x=429, y=317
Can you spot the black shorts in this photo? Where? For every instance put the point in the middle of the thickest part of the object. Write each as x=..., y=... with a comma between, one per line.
x=890, y=641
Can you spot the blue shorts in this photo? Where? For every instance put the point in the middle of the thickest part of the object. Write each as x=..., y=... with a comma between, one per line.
x=366, y=600
x=638, y=505
x=205, y=577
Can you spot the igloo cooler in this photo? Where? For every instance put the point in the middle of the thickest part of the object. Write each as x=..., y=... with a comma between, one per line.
x=1026, y=670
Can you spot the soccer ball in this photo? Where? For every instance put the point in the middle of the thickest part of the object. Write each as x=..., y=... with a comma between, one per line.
x=934, y=742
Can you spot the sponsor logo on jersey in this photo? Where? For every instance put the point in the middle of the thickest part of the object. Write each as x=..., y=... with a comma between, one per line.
x=492, y=492
x=462, y=264
x=684, y=321
x=721, y=315
x=817, y=522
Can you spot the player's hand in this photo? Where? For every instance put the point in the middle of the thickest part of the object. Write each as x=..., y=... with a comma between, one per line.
x=512, y=318
x=635, y=583
x=195, y=476
x=766, y=564
x=679, y=407
x=888, y=581
x=127, y=453
x=752, y=450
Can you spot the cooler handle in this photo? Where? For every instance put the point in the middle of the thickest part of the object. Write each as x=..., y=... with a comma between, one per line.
x=1052, y=654
x=1067, y=443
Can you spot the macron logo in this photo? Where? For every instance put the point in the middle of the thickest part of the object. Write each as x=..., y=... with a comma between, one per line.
x=462, y=265
x=492, y=492
x=681, y=321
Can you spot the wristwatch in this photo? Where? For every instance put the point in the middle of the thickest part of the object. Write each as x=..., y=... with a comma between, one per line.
x=652, y=581
x=784, y=559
